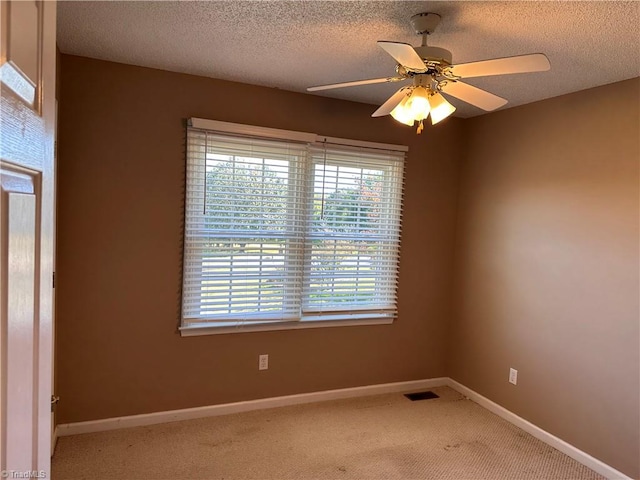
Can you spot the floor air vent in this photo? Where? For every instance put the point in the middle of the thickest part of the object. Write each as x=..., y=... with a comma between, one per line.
x=421, y=396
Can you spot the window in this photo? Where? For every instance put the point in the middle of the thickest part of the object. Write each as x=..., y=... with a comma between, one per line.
x=286, y=229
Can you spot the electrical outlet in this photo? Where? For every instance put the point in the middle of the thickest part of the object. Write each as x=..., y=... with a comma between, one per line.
x=513, y=376
x=263, y=362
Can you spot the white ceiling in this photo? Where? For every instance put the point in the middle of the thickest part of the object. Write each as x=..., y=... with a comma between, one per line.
x=295, y=44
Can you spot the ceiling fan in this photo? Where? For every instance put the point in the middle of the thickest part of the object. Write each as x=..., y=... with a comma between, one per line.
x=431, y=71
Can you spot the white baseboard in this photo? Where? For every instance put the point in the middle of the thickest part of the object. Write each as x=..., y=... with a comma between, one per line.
x=237, y=407
x=66, y=429
x=551, y=440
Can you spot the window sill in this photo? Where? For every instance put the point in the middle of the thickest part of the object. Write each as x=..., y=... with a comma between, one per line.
x=213, y=329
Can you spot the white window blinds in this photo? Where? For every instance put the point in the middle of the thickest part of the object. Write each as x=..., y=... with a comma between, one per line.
x=353, y=234
x=243, y=230
x=288, y=231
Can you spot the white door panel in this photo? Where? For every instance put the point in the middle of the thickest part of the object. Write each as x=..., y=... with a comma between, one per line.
x=20, y=328
x=22, y=48
x=23, y=38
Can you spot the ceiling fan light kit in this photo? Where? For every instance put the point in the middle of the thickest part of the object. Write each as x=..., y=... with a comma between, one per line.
x=433, y=73
x=418, y=103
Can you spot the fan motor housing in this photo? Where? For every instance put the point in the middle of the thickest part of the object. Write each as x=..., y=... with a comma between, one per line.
x=435, y=54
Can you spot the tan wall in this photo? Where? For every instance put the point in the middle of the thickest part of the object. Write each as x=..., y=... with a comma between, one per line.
x=120, y=194
x=547, y=267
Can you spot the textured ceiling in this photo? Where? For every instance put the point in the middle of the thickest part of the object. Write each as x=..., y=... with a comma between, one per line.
x=295, y=44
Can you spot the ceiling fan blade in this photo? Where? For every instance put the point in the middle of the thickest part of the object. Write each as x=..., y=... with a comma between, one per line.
x=535, y=62
x=404, y=54
x=473, y=95
x=390, y=104
x=354, y=83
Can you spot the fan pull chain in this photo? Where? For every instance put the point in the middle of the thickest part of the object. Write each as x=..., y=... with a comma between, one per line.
x=420, y=127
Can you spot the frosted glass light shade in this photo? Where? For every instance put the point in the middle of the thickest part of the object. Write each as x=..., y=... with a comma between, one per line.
x=440, y=108
x=419, y=103
x=402, y=113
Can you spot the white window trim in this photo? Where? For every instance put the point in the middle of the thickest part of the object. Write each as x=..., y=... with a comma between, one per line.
x=308, y=321
x=214, y=328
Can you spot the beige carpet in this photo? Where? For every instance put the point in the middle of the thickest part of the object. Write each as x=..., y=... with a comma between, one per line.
x=377, y=437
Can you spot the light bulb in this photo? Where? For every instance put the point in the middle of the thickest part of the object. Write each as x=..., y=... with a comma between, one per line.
x=418, y=103
x=402, y=114
x=440, y=108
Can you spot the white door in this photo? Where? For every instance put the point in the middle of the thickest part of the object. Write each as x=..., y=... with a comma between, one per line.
x=27, y=126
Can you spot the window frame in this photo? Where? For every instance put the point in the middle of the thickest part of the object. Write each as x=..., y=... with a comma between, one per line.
x=311, y=320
